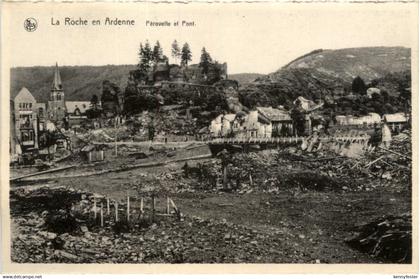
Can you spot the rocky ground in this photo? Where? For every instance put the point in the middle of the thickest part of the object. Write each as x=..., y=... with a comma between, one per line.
x=278, y=206
x=166, y=240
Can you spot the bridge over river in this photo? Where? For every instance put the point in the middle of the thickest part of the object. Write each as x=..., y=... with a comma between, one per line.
x=246, y=144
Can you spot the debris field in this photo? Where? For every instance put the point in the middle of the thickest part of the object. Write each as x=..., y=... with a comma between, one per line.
x=283, y=205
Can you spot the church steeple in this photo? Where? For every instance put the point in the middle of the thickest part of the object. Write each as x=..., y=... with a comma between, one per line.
x=57, y=79
x=56, y=104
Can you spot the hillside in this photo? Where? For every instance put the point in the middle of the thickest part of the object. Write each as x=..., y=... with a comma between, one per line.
x=245, y=78
x=329, y=73
x=368, y=62
x=314, y=75
x=287, y=86
x=79, y=82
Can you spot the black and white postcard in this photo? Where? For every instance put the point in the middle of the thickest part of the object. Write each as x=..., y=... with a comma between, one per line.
x=209, y=137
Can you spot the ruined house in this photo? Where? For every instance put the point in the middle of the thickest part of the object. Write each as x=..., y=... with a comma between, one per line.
x=110, y=99
x=193, y=74
x=241, y=125
x=304, y=103
x=175, y=73
x=93, y=153
x=396, y=121
x=221, y=126
x=161, y=72
x=369, y=120
x=308, y=108
x=76, y=112
x=253, y=125
x=282, y=124
x=27, y=124
x=13, y=147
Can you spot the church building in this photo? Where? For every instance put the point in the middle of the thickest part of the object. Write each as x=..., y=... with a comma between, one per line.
x=56, y=103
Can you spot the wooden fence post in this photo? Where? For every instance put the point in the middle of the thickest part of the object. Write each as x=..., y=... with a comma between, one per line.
x=178, y=213
x=167, y=205
x=107, y=206
x=173, y=204
x=153, y=207
x=128, y=207
x=116, y=211
x=102, y=215
x=225, y=177
x=141, y=205
x=94, y=207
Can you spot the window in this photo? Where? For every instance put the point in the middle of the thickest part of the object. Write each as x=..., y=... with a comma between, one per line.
x=30, y=105
x=25, y=136
x=20, y=105
x=58, y=97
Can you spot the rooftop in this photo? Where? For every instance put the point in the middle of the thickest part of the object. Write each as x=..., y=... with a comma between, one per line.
x=395, y=117
x=81, y=105
x=274, y=114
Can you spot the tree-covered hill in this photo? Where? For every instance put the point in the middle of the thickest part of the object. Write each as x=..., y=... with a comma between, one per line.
x=328, y=75
x=79, y=82
x=367, y=62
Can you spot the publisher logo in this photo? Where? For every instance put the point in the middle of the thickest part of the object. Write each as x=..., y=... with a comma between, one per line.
x=30, y=24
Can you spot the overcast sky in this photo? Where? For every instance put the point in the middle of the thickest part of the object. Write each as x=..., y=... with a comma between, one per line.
x=249, y=37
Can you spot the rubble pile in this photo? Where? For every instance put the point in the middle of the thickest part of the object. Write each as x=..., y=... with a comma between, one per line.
x=395, y=162
x=207, y=175
x=24, y=200
x=171, y=122
x=242, y=169
x=261, y=171
x=382, y=166
x=294, y=168
x=308, y=180
x=330, y=166
x=104, y=134
x=162, y=240
x=190, y=241
x=388, y=238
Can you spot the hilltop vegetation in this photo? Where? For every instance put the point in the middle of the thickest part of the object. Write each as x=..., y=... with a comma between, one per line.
x=290, y=84
x=80, y=83
x=319, y=75
x=328, y=75
x=367, y=62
